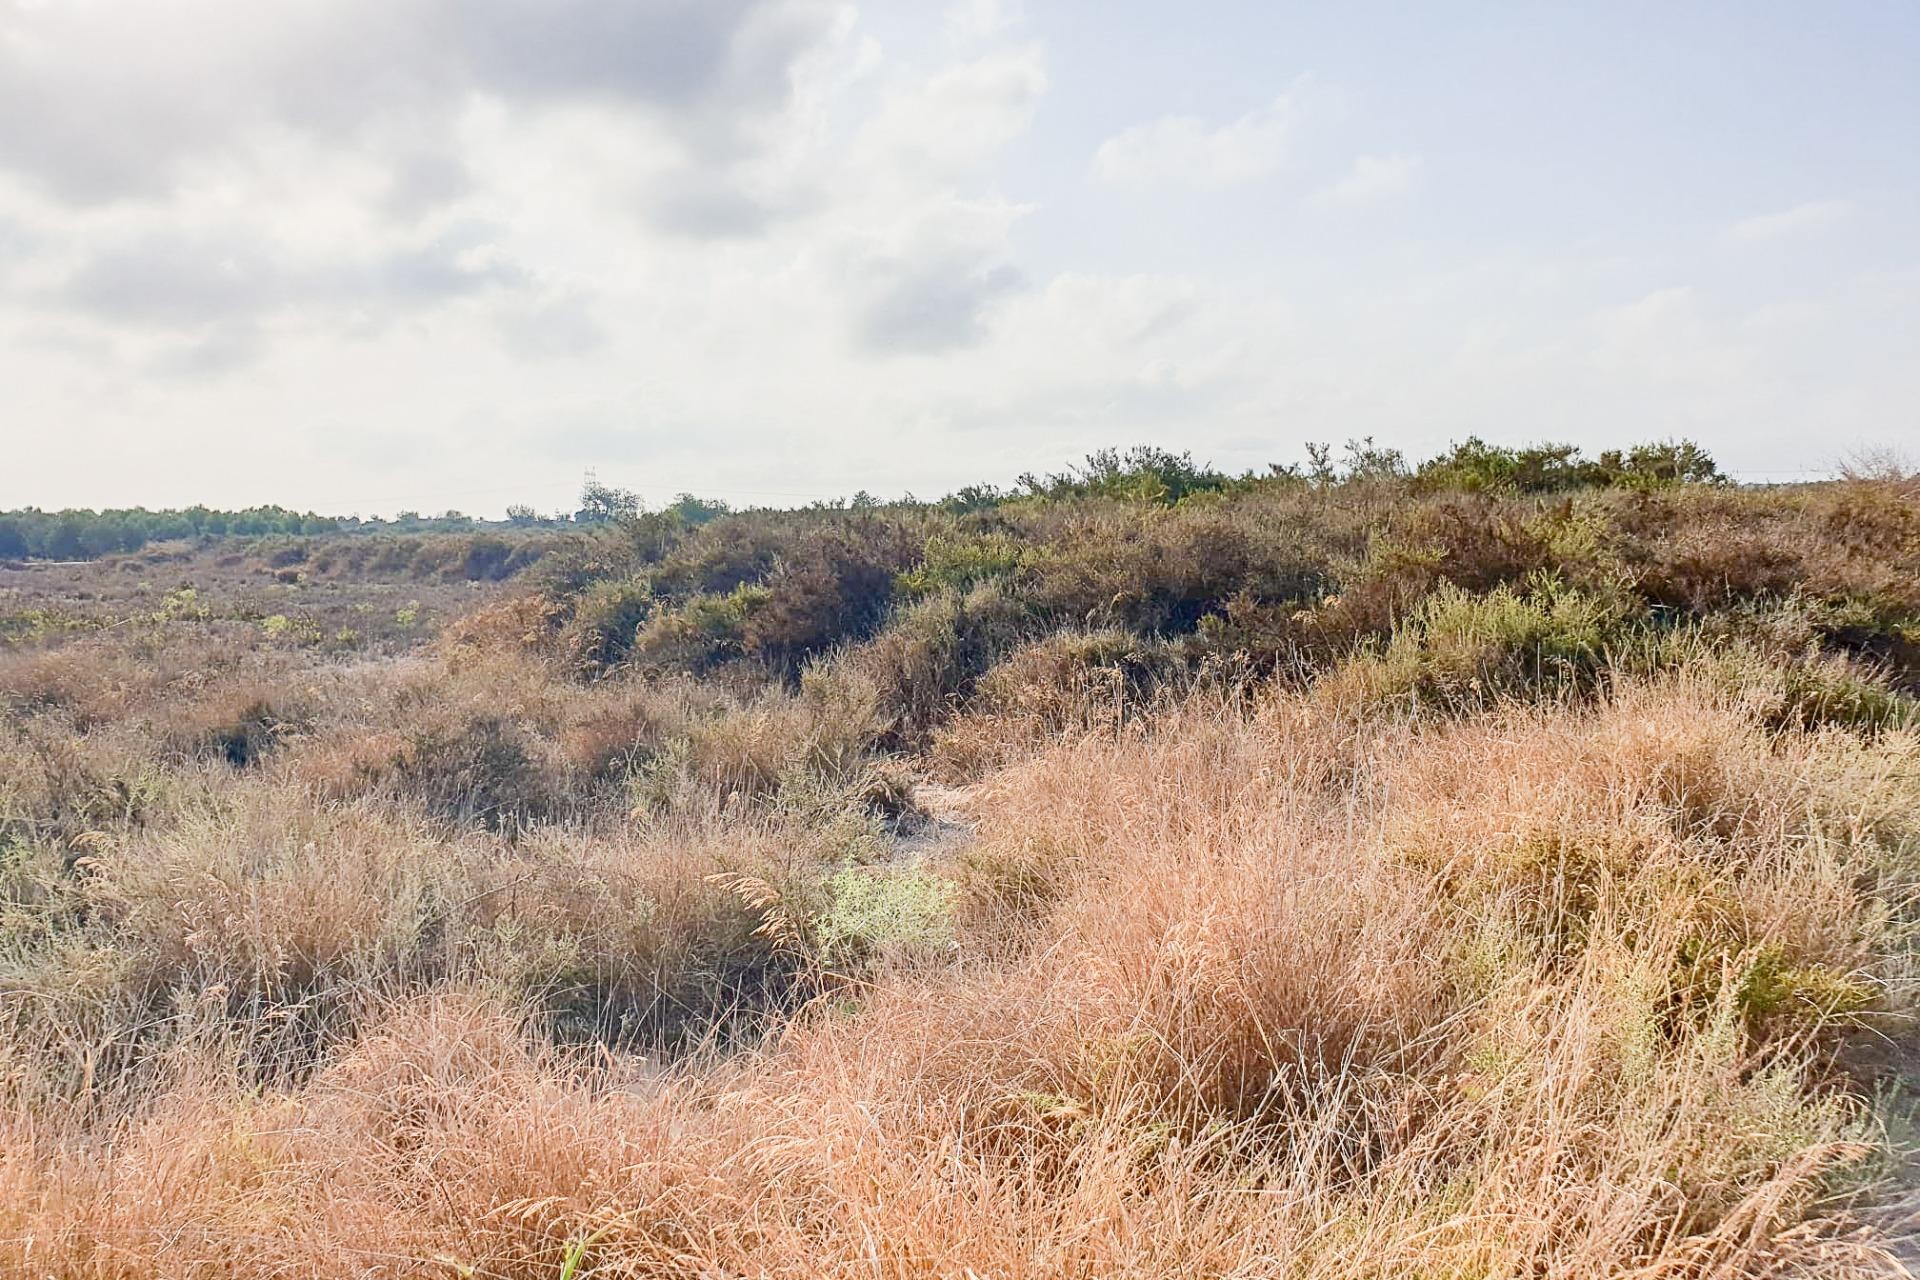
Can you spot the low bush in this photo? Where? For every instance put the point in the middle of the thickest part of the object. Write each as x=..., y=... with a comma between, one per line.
x=1459, y=648
x=607, y=617
x=1478, y=467
x=702, y=633
x=930, y=656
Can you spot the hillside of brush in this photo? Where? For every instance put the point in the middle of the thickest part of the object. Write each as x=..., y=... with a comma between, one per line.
x=1504, y=867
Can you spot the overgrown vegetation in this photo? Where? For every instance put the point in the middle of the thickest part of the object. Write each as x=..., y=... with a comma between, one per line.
x=1499, y=866
x=1285, y=571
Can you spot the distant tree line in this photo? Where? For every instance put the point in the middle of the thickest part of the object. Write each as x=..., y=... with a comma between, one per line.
x=1142, y=472
x=86, y=534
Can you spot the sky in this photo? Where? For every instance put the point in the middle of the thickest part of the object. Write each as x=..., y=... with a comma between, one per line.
x=362, y=256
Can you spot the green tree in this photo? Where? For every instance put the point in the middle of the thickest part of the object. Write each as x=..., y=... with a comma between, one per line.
x=603, y=504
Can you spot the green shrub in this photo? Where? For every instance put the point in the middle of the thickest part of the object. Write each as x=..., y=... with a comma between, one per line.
x=1831, y=690
x=1478, y=467
x=1142, y=473
x=956, y=562
x=725, y=554
x=1459, y=646
x=1666, y=463
x=1800, y=690
x=875, y=912
x=607, y=616
x=291, y=630
x=1774, y=990
x=1284, y=571
x=702, y=633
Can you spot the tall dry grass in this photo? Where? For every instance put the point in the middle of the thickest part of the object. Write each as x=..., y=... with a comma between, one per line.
x=1250, y=986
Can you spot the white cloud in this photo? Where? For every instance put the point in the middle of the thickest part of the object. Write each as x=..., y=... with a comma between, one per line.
x=1789, y=222
x=261, y=253
x=493, y=260
x=550, y=176
x=101, y=100
x=564, y=324
x=179, y=280
x=955, y=121
x=1187, y=149
x=970, y=21
x=1371, y=180
x=927, y=279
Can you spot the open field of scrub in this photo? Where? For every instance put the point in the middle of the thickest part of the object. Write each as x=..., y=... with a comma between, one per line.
x=1505, y=868
x=354, y=592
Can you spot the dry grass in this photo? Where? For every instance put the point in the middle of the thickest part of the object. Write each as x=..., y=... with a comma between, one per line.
x=1472, y=920
x=1557, y=992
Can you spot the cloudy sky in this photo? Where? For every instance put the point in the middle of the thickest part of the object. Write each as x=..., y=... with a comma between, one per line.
x=364, y=255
